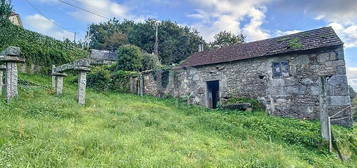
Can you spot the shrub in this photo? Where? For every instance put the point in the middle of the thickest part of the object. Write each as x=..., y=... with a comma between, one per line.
x=256, y=105
x=103, y=79
x=130, y=58
x=150, y=61
x=352, y=92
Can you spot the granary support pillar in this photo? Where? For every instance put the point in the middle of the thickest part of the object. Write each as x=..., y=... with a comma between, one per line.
x=141, y=85
x=53, y=77
x=82, y=83
x=58, y=82
x=2, y=70
x=10, y=57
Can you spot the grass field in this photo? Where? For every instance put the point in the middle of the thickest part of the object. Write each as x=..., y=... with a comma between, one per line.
x=124, y=130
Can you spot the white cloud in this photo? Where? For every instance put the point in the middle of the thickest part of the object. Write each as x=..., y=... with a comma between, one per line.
x=352, y=77
x=340, y=14
x=283, y=33
x=105, y=8
x=41, y=24
x=227, y=15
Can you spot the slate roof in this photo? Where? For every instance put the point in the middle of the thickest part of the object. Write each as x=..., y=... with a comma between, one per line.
x=103, y=55
x=303, y=41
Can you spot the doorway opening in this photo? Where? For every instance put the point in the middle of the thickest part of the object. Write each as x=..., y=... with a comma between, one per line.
x=213, y=93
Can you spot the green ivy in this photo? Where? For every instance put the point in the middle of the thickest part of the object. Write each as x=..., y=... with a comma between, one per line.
x=39, y=49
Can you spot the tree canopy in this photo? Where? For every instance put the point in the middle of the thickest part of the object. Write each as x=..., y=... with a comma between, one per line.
x=224, y=39
x=130, y=58
x=176, y=42
x=5, y=10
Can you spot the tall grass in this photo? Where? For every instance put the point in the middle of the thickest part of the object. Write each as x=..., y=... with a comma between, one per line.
x=123, y=130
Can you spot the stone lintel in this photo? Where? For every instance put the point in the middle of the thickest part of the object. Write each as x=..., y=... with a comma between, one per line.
x=59, y=74
x=11, y=59
x=82, y=69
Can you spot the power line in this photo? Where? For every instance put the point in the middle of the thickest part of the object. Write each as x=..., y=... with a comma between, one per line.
x=83, y=9
x=39, y=11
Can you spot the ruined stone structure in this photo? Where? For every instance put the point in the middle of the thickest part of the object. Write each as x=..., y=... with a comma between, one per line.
x=82, y=67
x=288, y=74
x=10, y=57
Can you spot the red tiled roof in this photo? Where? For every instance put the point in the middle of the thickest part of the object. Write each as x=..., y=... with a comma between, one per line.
x=313, y=39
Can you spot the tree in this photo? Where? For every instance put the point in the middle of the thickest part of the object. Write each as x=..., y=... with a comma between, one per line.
x=176, y=42
x=130, y=58
x=352, y=92
x=114, y=41
x=150, y=61
x=224, y=39
x=5, y=10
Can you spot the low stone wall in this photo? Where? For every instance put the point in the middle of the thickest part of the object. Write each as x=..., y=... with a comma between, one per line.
x=31, y=68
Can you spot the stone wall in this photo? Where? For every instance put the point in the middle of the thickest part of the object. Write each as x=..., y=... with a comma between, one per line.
x=296, y=93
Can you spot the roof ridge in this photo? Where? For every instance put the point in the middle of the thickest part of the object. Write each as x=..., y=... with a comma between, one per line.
x=306, y=40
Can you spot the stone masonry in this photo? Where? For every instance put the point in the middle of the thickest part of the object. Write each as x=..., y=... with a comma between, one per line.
x=10, y=57
x=296, y=92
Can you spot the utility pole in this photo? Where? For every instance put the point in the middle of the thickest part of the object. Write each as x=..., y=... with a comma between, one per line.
x=156, y=50
x=74, y=38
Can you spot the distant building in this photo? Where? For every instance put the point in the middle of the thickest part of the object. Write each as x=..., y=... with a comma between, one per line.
x=15, y=19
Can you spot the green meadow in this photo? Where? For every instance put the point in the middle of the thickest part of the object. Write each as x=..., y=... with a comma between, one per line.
x=40, y=129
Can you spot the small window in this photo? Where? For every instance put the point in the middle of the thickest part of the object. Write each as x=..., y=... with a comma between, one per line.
x=280, y=69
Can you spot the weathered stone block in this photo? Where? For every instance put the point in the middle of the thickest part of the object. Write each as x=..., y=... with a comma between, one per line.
x=322, y=58
x=338, y=100
x=11, y=51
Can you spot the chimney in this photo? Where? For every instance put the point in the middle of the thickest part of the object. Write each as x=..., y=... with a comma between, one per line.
x=200, y=48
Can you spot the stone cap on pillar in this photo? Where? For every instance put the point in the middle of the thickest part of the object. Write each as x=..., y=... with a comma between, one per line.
x=11, y=51
x=11, y=59
x=11, y=54
x=59, y=74
x=83, y=69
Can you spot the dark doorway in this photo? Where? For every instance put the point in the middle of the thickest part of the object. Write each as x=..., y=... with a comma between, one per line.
x=213, y=93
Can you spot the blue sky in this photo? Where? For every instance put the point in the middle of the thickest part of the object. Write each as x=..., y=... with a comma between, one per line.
x=257, y=19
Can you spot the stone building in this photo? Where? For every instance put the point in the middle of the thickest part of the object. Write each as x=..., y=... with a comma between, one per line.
x=293, y=76
x=15, y=19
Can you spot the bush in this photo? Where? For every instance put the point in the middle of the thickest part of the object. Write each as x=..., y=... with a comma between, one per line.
x=130, y=58
x=256, y=105
x=103, y=79
x=151, y=61
x=352, y=93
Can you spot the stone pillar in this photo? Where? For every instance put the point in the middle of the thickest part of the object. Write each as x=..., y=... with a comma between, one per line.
x=82, y=83
x=58, y=80
x=324, y=116
x=2, y=70
x=141, y=85
x=53, y=77
x=10, y=57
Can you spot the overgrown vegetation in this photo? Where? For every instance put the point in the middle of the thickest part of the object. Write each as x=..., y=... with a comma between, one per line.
x=142, y=34
x=124, y=130
x=295, y=43
x=39, y=49
x=255, y=104
x=36, y=48
x=105, y=78
x=224, y=39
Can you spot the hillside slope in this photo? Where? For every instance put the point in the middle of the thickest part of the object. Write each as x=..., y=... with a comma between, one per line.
x=123, y=130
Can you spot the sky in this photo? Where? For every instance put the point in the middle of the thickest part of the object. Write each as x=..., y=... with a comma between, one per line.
x=256, y=19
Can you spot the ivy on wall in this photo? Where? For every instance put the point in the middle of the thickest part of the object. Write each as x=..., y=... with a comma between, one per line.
x=39, y=49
